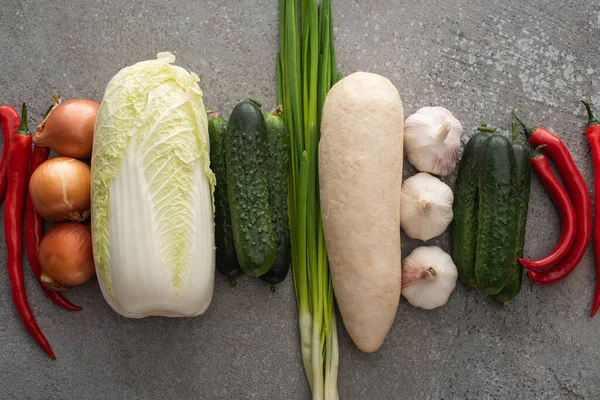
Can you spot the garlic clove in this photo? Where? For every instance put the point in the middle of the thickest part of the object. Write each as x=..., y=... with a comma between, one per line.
x=428, y=277
x=432, y=140
x=425, y=206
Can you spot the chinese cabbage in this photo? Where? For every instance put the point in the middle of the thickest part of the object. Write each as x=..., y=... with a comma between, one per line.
x=152, y=193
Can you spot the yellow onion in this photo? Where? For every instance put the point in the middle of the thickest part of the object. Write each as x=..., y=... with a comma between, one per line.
x=65, y=256
x=69, y=128
x=60, y=189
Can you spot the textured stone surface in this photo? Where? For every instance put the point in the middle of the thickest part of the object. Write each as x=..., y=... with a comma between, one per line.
x=479, y=59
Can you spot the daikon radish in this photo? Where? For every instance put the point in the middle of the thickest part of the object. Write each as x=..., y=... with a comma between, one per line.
x=360, y=177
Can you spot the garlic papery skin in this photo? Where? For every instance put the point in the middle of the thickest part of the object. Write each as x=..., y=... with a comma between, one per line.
x=425, y=206
x=432, y=140
x=428, y=277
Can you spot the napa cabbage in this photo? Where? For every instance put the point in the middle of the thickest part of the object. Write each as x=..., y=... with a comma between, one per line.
x=152, y=193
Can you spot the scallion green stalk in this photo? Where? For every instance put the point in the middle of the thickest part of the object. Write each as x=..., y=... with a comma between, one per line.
x=306, y=70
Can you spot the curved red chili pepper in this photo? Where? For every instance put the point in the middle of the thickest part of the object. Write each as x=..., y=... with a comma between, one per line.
x=592, y=132
x=33, y=232
x=18, y=163
x=562, y=202
x=580, y=197
x=9, y=118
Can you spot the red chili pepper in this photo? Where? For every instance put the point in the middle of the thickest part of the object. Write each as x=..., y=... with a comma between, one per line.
x=580, y=198
x=9, y=118
x=33, y=232
x=562, y=202
x=592, y=132
x=18, y=163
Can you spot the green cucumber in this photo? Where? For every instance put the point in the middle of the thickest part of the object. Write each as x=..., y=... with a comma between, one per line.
x=277, y=149
x=523, y=166
x=247, y=189
x=496, y=220
x=226, y=257
x=463, y=232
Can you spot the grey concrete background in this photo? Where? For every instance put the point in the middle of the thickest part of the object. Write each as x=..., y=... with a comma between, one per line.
x=477, y=58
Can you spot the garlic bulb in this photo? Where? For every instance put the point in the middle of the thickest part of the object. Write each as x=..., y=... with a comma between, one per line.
x=426, y=206
x=428, y=277
x=432, y=140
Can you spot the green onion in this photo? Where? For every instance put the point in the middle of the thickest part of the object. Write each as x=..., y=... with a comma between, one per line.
x=306, y=70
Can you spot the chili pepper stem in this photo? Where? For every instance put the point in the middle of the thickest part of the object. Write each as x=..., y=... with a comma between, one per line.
x=23, y=128
x=591, y=118
x=538, y=152
x=528, y=129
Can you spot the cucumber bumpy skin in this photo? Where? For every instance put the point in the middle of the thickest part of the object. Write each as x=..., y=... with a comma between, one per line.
x=515, y=276
x=247, y=189
x=226, y=257
x=496, y=236
x=463, y=232
x=278, y=160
